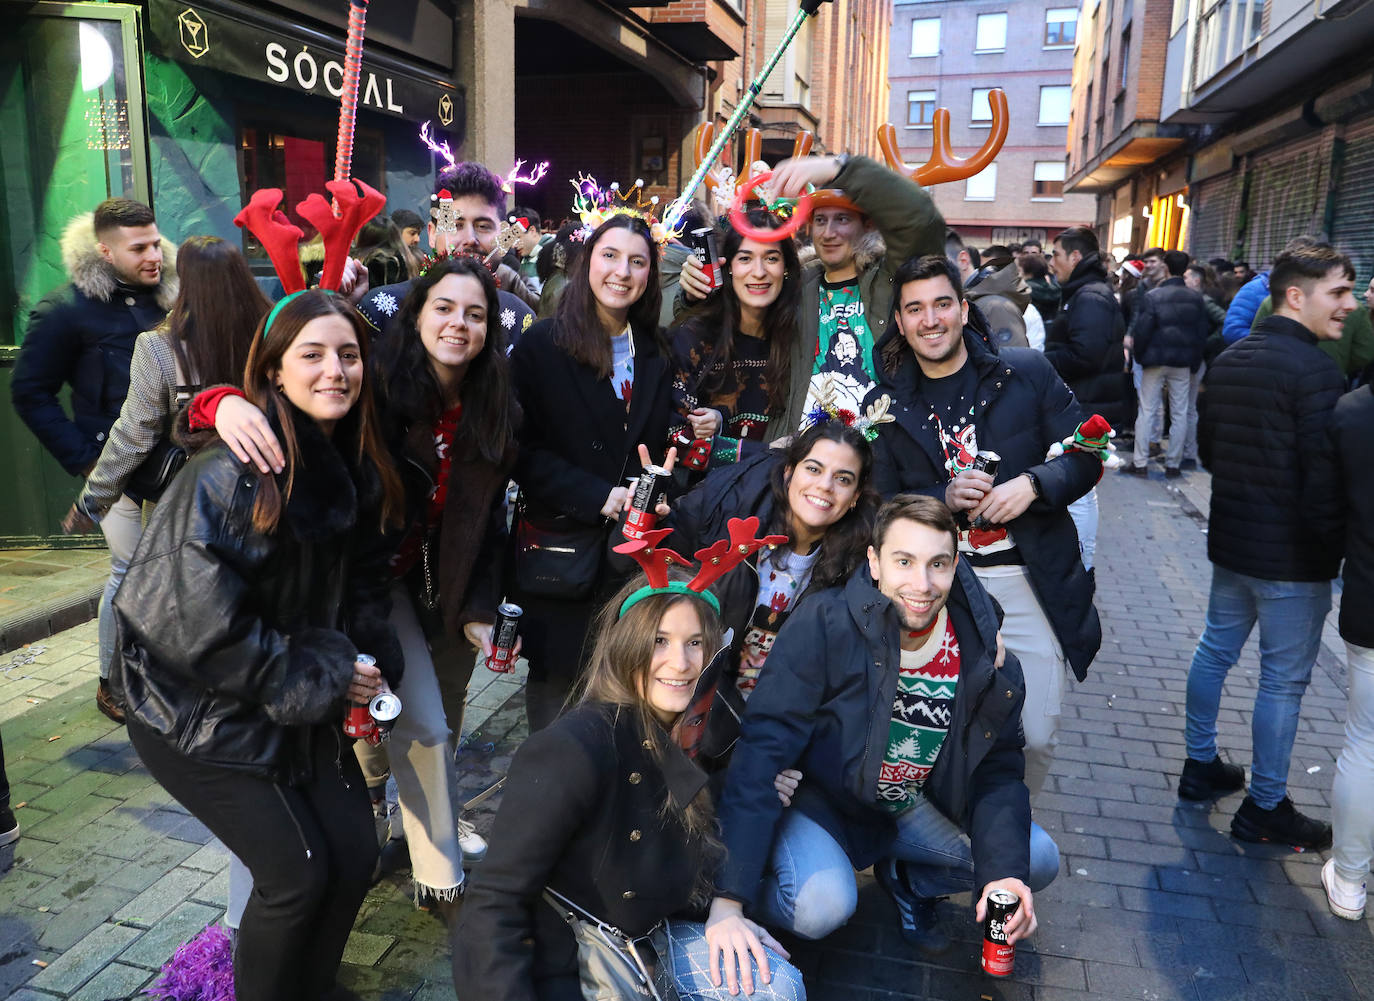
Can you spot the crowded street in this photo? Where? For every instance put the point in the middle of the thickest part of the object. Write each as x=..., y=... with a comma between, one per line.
x=1153, y=901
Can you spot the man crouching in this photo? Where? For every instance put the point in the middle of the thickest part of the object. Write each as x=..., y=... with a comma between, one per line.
x=891, y=702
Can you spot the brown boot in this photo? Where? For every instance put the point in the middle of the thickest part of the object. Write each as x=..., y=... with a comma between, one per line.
x=105, y=702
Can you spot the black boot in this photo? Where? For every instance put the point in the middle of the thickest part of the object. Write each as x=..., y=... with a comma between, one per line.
x=1209, y=779
x=1283, y=825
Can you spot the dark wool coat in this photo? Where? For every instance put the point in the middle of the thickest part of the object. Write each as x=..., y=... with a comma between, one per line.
x=1084, y=343
x=1022, y=408
x=825, y=706
x=576, y=443
x=83, y=335
x=1344, y=471
x=583, y=813
x=1268, y=403
x=232, y=643
x=1172, y=326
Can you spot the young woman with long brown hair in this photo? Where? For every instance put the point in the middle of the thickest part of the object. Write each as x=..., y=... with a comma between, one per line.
x=203, y=341
x=240, y=623
x=604, y=808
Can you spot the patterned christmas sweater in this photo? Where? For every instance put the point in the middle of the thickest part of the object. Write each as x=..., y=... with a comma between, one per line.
x=921, y=714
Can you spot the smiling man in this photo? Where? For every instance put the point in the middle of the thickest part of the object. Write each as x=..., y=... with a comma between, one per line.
x=952, y=397
x=891, y=702
x=1269, y=400
x=123, y=282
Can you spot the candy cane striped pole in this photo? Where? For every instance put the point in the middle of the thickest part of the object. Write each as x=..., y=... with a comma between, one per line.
x=348, y=107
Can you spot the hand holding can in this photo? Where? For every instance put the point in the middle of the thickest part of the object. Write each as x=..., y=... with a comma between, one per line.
x=358, y=722
x=504, y=637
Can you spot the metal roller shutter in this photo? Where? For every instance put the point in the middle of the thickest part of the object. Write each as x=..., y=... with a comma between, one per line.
x=1215, y=215
x=1287, y=196
x=1353, y=228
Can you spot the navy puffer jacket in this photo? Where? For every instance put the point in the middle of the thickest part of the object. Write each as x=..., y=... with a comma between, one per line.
x=1268, y=404
x=1172, y=327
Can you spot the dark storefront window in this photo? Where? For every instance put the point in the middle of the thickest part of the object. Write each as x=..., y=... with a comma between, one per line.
x=296, y=154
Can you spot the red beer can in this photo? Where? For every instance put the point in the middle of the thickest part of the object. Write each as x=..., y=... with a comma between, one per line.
x=358, y=722
x=503, y=635
x=704, y=250
x=999, y=955
x=641, y=516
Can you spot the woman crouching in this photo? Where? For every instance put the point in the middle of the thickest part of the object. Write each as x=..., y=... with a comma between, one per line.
x=604, y=809
x=232, y=662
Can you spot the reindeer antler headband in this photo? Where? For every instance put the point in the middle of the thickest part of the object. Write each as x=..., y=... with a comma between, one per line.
x=357, y=202
x=717, y=560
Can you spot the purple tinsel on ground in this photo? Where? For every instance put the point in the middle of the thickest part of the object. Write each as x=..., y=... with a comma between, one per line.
x=200, y=970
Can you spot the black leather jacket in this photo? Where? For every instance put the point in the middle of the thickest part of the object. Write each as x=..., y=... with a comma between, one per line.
x=233, y=643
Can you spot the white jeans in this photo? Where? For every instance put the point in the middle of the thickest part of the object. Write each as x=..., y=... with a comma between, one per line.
x=1084, y=514
x=1352, y=806
x=1194, y=384
x=1154, y=382
x=417, y=756
x=1027, y=633
x=122, y=526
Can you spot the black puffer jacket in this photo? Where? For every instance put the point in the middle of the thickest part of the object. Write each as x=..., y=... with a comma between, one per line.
x=825, y=706
x=232, y=643
x=1172, y=326
x=1344, y=471
x=1268, y=403
x=1084, y=343
x=1022, y=409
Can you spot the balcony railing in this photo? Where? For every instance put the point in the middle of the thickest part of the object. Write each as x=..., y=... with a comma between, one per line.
x=1226, y=28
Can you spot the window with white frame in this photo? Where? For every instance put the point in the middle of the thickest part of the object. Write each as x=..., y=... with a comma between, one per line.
x=980, y=113
x=925, y=36
x=982, y=186
x=1061, y=27
x=1048, y=185
x=920, y=108
x=1054, y=105
x=992, y=33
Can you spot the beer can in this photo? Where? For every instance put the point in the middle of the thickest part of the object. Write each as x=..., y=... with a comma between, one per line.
x=704, y=250
x=503, y=635
x=999, y=955
x=641, y=517
x=987, y=462
x=358, y=722
x=384, y=708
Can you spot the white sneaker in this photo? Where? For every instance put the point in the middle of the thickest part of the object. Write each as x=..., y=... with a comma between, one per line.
x=474, y=846
x=1343, y=896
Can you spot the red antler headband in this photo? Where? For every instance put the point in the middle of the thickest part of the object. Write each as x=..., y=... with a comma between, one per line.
x=717, y=560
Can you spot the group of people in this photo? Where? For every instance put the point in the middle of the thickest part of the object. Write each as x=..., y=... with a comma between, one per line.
x=865, y=669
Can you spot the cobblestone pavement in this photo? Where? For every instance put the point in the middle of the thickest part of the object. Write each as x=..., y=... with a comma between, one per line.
x=1154, y=900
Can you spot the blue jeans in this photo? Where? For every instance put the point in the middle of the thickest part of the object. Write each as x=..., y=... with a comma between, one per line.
x=690, y=959
x=809, y=889
x=1290, y=615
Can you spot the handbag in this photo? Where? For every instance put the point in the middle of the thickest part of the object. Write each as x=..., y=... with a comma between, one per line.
x=155, y=473
x=557, y=557
x=611, y=965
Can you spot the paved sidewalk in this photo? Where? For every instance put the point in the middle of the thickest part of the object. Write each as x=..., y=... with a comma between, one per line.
x=1154, y=901
x=46, y=591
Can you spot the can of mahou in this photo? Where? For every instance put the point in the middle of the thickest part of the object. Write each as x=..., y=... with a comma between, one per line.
x=503, y=635
x=358, y=722
x=999, y=955
x=641, y=516
x=704, y=249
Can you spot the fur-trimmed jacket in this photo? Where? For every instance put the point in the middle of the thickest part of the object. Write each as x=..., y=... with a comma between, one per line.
x=83, y=334
x=233, y=644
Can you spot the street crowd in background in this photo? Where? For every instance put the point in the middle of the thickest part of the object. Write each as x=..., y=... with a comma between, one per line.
x=870, y=457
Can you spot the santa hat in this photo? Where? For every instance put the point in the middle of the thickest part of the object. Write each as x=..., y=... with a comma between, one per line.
x=1132, y=266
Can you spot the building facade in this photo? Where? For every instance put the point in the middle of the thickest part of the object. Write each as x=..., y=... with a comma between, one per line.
x=950, y=53
x=1226, y=128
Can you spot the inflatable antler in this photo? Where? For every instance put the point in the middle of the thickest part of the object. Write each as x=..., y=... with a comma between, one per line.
x=278, y=235
x=339, y=232
x=724, y=555
x=943, y=165
x=705, y=134
x=653, y=560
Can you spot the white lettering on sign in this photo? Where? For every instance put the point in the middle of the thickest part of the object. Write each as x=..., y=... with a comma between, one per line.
x=335, y=89
x=277, y=70
x=390, y=104
x=371, y=95
x=305, y=57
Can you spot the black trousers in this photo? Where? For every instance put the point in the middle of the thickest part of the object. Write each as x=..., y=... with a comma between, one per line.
x=311, y=850
x=4, y=781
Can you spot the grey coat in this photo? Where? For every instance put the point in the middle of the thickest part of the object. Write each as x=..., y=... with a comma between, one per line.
x=146, y=418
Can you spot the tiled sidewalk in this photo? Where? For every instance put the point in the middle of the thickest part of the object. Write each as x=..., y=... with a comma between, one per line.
x=1154, y=901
